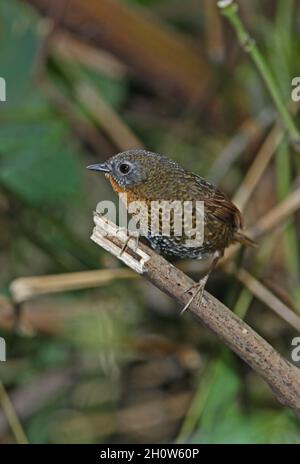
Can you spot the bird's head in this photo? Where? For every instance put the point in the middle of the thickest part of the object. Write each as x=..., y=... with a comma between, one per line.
x=133, y=168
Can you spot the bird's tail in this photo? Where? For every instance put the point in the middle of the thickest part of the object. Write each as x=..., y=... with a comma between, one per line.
x=244, y=240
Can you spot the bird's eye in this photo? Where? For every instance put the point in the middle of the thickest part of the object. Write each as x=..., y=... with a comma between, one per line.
x=124, y=168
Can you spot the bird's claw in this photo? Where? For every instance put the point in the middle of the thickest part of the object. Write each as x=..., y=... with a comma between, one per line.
x=199, y=291
x=195, y=285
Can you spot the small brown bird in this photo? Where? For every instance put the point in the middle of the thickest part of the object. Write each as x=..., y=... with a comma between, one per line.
x=148, y=177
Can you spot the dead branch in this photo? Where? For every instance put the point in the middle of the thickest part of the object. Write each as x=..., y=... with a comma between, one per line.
x=281, y=376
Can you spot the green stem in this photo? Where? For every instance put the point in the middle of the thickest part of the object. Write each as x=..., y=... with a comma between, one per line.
x=230, y=10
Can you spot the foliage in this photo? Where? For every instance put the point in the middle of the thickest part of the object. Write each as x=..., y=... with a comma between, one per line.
x=108, y=364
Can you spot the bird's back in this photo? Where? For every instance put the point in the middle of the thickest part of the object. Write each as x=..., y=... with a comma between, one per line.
x=221, y=218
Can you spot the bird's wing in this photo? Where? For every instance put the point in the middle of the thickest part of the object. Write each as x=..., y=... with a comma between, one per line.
x=218, y=205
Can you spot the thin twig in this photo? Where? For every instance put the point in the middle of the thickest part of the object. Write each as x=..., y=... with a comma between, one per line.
x=25, y=288
x=267, y=297
x=70, y=47
x=274, y=218
x=260, y=163
x=213, y=32
x=82, y=125
x=11, y=417
x=249, y=132
x=258, y=167
x=109, y=120
x=29, y=398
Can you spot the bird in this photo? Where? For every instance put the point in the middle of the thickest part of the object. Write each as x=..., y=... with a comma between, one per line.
x=149, y=177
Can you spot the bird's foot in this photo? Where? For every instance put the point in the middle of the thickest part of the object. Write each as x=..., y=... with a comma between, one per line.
x=199, y=286
x=198, y=292
x=134, y=235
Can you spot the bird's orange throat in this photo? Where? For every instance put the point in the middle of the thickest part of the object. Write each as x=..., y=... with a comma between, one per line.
x=131, y=194
x=117, y=188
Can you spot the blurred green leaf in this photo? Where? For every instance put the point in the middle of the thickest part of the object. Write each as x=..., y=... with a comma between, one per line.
x=18, y=48
x=223, y=420
x=43, y=172
x=37, y=159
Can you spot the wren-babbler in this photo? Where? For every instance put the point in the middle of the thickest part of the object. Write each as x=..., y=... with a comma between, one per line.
x=145, y=176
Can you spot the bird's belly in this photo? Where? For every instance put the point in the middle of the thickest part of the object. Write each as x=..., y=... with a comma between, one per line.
x=171, y=247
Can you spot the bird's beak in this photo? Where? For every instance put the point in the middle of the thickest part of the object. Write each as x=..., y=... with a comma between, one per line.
x=99, y=167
